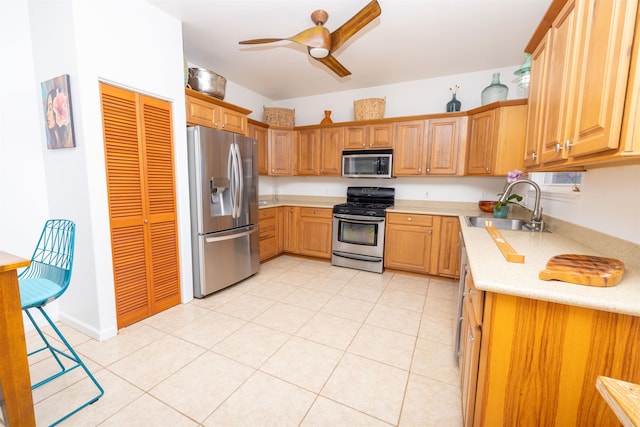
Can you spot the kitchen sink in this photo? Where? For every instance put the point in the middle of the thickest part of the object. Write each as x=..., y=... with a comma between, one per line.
x=502, y=223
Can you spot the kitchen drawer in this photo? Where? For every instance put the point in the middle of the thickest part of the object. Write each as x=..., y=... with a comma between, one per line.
x=409, y=219
x=268, y=248
x=267, y=228
x=317, y=212
x=267, y=213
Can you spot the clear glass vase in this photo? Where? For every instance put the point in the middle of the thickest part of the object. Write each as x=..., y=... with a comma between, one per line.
x=496, y=91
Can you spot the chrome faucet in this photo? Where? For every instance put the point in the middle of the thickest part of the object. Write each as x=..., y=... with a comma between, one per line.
x=536, y=223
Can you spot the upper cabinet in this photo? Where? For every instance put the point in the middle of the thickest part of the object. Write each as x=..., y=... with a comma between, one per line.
x=281, y=151
x=319, y=151
x=205, y=110
x=496, y=138
x=260, y=132
x=579, y=81
x=429, y=147
x=372, y=136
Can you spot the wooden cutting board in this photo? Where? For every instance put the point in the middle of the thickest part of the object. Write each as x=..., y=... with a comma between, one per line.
x=584, y=270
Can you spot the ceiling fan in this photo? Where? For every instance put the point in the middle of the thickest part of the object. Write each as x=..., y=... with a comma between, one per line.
x=320, y=43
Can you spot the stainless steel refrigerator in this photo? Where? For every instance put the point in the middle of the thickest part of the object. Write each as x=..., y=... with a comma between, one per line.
x=223, y=190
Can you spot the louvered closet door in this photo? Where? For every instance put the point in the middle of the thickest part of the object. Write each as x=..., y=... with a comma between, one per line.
x=140, y=181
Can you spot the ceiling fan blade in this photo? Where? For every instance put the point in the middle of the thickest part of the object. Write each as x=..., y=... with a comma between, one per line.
x=317, y=36
x=260, y=41
x=334, y=65
x=355, y=24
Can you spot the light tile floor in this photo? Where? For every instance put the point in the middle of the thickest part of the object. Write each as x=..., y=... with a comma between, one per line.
x=302, y=343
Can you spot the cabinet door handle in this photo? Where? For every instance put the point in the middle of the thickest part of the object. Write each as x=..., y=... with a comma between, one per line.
x=430, y=232
x=428, y=170
x=409, y=219
x=471, y=337
x=559, y=147
x=533, y=155
x=486, y=169
x=567, y=144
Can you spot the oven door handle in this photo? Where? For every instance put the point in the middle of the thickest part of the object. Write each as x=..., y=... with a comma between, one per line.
x=358, y=219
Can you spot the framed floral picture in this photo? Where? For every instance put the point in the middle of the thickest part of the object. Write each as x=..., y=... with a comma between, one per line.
x=58, y=119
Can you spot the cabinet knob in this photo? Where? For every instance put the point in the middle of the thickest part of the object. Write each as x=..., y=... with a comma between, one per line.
x=430, y=231
x=315, y=212
x=428, y=170
x=409, y=219
x=223, y=126
x=471, y=338
x=146, y=221
x=215, y=124
x=533, y=155
x=568, y=144
x=419, y=170
x=486, y=169
x=559, y=147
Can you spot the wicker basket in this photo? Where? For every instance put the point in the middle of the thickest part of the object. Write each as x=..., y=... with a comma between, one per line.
x=369, y=108
x=279, y=116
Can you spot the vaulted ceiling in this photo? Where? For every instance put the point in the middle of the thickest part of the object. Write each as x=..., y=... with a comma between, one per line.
x=410, y=40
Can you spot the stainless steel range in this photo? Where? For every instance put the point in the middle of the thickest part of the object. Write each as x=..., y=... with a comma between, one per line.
x=358, y=228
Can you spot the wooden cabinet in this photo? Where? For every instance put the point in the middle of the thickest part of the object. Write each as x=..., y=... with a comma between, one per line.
x=408, y=154
x=429, y=147
x=307, y=231
x=470, y=340
x=260, y=132
x=142, y=203
x=281, y=151
x=315, y=225
x=445, y=143
x=204, y=110
x=332, y=144
x=290, y=219
x=269, y=233
x=449, y=247
x=320, y=151
x=539, y=362
x=496, y=138
x=537, y=99
x=408, y=242
x=580, y=95
x=364, y=137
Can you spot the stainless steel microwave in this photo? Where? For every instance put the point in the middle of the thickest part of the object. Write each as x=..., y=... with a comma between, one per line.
x=367, y=163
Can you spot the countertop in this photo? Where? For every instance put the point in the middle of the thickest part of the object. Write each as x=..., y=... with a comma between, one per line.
x=492, y=273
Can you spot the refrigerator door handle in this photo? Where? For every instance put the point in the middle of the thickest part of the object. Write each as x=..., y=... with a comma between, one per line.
x=240, y=176
x=232, y=181
x=230, y=236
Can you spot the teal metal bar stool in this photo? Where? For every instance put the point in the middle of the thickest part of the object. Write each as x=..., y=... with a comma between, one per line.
x=44, y=281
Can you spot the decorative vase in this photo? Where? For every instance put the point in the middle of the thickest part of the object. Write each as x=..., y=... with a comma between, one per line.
x=453, y=105
x=327, y=118
x=500, y=212
x=496, y=91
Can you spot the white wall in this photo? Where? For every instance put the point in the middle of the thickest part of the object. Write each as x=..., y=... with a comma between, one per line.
x=25, y=204
x=404, y=99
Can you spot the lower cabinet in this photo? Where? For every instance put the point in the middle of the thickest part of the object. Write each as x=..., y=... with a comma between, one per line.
x=307, y=231
x=408, y=242
x=539, y=361
x=269, y=233
x=315, y=225
x=449, y=247
x=470, y=339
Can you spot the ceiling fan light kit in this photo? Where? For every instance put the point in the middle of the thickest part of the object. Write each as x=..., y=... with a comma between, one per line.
x=318, y=52
x=321, y=44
